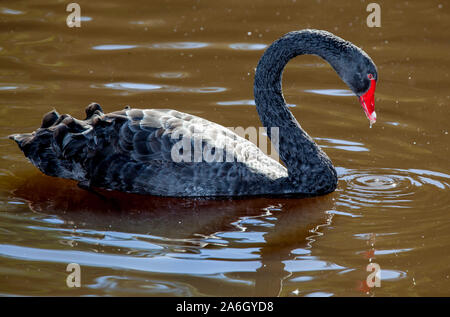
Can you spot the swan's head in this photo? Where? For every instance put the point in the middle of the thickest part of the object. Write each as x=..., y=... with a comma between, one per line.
x=360, y=74
x=367, y=100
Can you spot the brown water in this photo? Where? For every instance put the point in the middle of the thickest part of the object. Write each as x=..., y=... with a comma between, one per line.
x=391, y=206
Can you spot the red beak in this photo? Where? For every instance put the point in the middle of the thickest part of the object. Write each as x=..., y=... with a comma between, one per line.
x=368, y=102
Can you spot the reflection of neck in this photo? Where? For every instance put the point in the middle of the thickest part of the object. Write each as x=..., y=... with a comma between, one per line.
x=291, y=230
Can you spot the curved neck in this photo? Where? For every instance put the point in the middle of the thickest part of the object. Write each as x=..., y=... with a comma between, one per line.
x=296, y=148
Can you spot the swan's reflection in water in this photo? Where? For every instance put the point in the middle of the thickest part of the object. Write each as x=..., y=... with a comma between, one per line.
x=246, y=240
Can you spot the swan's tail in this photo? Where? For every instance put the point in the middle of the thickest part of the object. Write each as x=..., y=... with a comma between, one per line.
x=25, y=143
x=21, y=138
x=61, y=144
x=38, y=150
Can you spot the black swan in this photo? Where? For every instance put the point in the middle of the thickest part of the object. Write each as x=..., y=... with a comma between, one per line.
x=132, y=150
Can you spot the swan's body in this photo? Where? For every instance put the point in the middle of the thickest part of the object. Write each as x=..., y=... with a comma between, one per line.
x=133, y=150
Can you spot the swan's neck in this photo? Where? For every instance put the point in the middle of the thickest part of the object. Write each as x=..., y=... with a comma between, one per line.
x=303, y=158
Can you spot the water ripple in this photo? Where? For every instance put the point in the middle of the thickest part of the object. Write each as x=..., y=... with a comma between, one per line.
x=342, y=145
x=11, y=11
x=128, y=87
x=247, y=46
x=390, y=187
x=113, y=47
x=179, y=45
x=171, y=75
x=162, y=264
x=331, y=92
x=132, y=86
x=246, y=102
x=168, y=45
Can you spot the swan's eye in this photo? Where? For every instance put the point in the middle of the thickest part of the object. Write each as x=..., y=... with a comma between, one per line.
x=370, y=76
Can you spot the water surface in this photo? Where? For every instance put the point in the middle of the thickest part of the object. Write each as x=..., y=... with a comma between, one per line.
x=391, y=206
